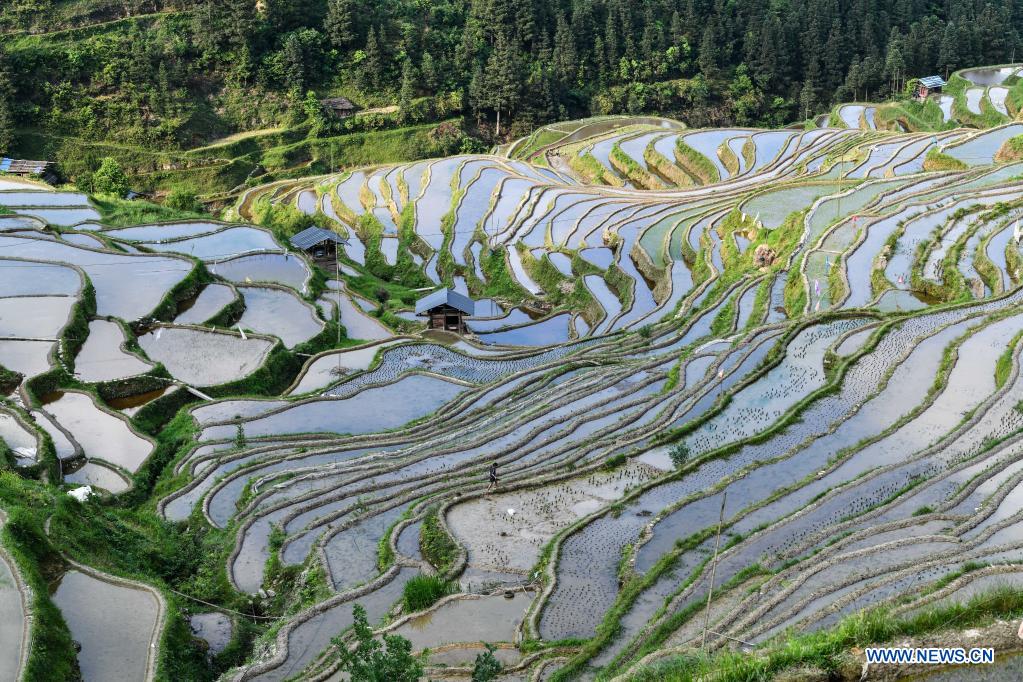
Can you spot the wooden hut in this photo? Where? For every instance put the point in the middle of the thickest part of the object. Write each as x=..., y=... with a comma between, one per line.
x=928, y=85
x=446, y=309
x=341, y=107
x=26, y=168
x=318, y=243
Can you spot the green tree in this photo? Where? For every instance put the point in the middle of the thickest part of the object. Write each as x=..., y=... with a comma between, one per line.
x=503, y=79
x=565, y=59
x=373, y=661
x=895, y=63
x=408, y=90
x=807, y=99
x=110, y=178
x=747, y=101
x=709, y=52
x=6, y=111
x=372, y=64
x=313, y=110
x=228, y=23
x=949, y=55
x=429, y=72
x=340, y=23
x=293, y=62
x=487, y=666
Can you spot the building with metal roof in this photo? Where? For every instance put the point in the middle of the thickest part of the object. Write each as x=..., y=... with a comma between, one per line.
x=26, y=168
x=446, y=309
x=318, y=242
x=929, y=84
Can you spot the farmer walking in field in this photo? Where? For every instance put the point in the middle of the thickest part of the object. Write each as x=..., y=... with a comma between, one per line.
x=493, y=476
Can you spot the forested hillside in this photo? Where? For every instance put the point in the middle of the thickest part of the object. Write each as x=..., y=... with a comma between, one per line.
x=176, y=74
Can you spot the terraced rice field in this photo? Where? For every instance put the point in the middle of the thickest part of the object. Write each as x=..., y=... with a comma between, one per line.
x=803, y=338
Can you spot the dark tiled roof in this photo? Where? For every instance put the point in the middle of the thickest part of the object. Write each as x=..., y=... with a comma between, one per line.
x=338, y=103
x=446, y=296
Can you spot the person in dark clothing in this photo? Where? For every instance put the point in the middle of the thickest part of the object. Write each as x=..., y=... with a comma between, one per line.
x=493, y=476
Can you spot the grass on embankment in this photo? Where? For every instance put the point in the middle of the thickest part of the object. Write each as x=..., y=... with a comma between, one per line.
x=122, y=213
x=937, y=161
x=915, y=115
x=218, y=170
x=828, y=650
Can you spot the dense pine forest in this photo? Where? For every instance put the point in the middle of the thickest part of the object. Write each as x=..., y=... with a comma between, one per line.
x=176, y=74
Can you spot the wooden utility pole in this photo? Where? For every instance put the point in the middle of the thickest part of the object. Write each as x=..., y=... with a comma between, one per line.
x=713, y=571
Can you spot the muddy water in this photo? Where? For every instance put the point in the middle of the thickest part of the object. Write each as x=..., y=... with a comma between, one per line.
x=101, y=357
x=1002, y=670
x=351, y=554
x=203, y=358
x=357, y=323
x=208, y=303
x=550, y=331
x=850, y=115
x=898, y=301
x=980, y=150
x=62, y=217
x=774, y=207
x=323, y=371
x=98, y=476
x=607, y=300
x=64, y=447
x=497, y=540
x=375, y=409
x=128, y=287
x=21, y=441
x=487, y=619
x=408, y=541
x=279, y=313
x=233, y=241
x=12, y=622
x=100, y=434
x=114, y=624
x=132, y=404
x=34, y=317
x=45, y=279
x=150, y=233
x=286, y=269
x=214, y=628
x=310, y=638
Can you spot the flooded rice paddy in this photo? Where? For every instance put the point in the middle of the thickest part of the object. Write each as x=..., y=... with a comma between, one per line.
x=845, y=407
x=117, y=626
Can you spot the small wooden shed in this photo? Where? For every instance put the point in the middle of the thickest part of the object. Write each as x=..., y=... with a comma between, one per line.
x=446, y=309
x=929, y=84
x=26, y=168
x=318, y=243
x=340, y=107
